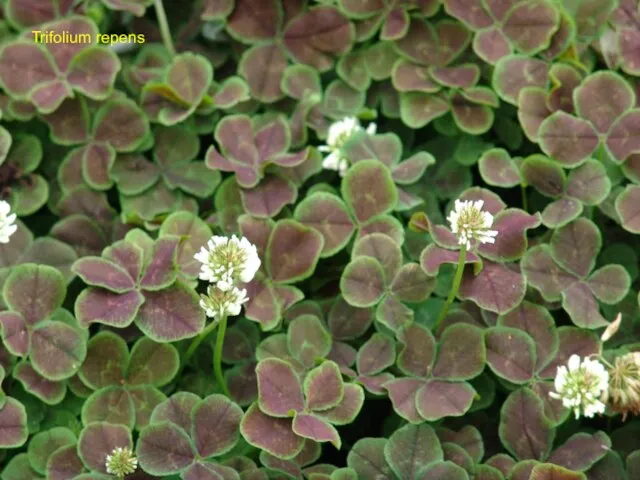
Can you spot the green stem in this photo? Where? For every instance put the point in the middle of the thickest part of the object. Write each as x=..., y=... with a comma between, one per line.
x=217, y=356
x=164, y=27
x=454, y=288
x=195, y=344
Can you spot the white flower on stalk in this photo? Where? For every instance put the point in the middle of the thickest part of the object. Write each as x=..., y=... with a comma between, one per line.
x=121, y=462
x=469, y=222
x=339, y=134
x=7, y=222
x=228, y=261
x=581, y=386
x=218, y=303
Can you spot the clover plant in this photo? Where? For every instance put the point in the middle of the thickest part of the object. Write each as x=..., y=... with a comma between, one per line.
x=320, y=240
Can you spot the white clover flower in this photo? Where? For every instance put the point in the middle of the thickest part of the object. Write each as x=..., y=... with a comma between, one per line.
x=228, y=261
x=581, y=386
x=469, y=222
x=7, y=222
x=121, y=462
x=218, y=303
x=339, y=134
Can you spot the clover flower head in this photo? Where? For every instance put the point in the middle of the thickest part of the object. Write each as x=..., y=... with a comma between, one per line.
x=7, y=222
x=228, y=261
x=581, y=386
x=121, y=462
x=219, y=303
x=339, y=134
x=624, y=385
x=469, y=222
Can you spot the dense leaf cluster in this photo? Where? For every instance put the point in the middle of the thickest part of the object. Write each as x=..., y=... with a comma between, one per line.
x=121, y=161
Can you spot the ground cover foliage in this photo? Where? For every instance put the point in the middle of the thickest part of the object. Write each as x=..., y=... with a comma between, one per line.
x=366, y=340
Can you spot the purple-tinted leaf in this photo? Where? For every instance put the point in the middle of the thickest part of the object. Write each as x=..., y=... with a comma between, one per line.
x=402, y=393
x=511, y=241
x=164, y=449
x=57, y=350
x=368, y=460
x=568, y=139
x=412, y=169
x=308, y=340
x=469, y=116
x=293, y=251
x=312, y=427
x=98, y=440
x=576, y=245
x=13, y=424
x=461, y=353
x=64, y=463
x=532, y=111
x=538, y=323
x=121, y=124
x=15, y=334
x=369, y=190
x=409, y=77
x=110, y=404
x=273, y=435
x=419, y=109
x=418, y=350
x=34, y=291
x=610, y=284
x=103, y=273
x=582, y=307
x=106, y=362
x=263, y=66
x=215, y=425
x=498, y=169
x=327, y=214
x=627, y=206
x=279, y=389
x=591, y=447
x=545, y=175
x=524, y=429
x=511, y=354
x=543, y=273
x=603, y=97
x=314, y=37
x=363, y=282
x=497, y=288
x=346, y=411
x=171, y=314
x=560, y=212
x=48, y=391
x=377, y=354
x=469, y=12
x=196, y=231
x=160, y=272
x=530, y=26
x=176, y=409
x=347, y=322
x=323, y=387
x=94, y=305
x=514, y=73
x=438, y=399
x=393, y=314
x=145, y=398
x=491, y=45
x=457, y=455
x=152, y=363
x=501, y=461
x=412, y=447
x=45, y=443
x=589, y=183
x=382, y=248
